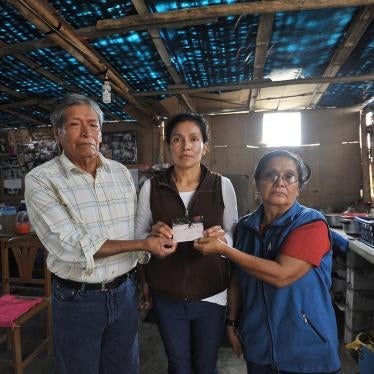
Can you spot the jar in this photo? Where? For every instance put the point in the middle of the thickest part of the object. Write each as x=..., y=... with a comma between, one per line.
x=22, y=222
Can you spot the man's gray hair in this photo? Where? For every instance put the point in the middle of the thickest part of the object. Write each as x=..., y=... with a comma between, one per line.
x=57, y=116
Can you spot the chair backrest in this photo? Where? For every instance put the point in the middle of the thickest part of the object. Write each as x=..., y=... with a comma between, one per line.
x=25, y=249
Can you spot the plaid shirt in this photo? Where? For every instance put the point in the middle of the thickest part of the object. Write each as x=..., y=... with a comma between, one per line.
x=73, y=214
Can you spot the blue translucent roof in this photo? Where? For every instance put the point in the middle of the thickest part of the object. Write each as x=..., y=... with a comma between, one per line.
x=304, y=42
x=14, y=28
x=134, y=56
x=301, y=46
x=86, y=13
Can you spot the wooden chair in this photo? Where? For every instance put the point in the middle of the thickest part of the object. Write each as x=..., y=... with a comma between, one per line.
x=25, y=249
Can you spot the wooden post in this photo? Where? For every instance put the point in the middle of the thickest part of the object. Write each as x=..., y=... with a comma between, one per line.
x=161, y=155
x=365, y=165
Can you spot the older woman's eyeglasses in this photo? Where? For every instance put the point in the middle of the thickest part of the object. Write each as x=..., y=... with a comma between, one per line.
x=273, y=177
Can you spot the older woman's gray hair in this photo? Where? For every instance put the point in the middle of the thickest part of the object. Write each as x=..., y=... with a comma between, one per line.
x=57, y=116
x=303, y=170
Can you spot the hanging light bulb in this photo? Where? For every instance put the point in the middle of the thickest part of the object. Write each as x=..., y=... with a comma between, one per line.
x=106, y=88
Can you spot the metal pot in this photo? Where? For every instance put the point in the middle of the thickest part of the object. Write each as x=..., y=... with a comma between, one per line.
x=350, y=226
x=333, y=220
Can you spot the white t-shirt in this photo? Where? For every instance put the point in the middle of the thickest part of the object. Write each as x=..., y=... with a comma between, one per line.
x=143, y=222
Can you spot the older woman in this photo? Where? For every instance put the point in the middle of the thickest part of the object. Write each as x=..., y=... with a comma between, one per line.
x=279, y=301
x=188, y=290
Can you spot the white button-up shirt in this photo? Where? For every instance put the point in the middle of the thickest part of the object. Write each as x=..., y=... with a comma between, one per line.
x=74, y=213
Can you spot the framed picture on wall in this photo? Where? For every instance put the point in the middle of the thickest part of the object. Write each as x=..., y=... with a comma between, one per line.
x=120, y=146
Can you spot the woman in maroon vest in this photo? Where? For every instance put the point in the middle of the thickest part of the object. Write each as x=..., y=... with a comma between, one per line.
x=187, y=289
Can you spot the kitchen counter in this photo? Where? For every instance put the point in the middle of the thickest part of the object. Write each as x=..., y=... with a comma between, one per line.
x=359, y=295
x=362, y=249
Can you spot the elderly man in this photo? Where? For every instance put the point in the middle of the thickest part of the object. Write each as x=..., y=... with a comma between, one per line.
x=82, y=208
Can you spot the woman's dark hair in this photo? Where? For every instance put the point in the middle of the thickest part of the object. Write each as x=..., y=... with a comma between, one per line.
x=303, y=170
x=182, y=117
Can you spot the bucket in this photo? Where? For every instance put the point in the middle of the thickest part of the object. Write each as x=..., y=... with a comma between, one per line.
x=366, y=360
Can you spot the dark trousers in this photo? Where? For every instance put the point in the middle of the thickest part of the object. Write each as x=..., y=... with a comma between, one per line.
x=191, y=332
x=267, y=369
x=96, y=331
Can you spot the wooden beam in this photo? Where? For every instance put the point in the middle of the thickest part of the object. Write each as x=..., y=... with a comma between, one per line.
x=358, y=26
x=259, y=84
x=262, y=45
x=45, y=18
x=256, y=7
x=141, y=8
x=365, y=159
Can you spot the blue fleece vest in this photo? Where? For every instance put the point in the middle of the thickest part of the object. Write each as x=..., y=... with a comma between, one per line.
x=291, y=328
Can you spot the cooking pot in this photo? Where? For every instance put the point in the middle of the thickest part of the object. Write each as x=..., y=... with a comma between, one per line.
x=350, y=226
x=333, y=220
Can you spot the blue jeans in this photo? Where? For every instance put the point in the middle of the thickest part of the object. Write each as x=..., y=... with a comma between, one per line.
x=191, y=332
x=96, y=331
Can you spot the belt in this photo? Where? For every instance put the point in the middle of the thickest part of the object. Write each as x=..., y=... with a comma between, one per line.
x=102, y=286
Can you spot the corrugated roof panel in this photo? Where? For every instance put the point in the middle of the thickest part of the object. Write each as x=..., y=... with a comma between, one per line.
x=16, y=74
x=134, y=56
x=303, y=43
x=14, y=28
x=361, y=60
x=83, y=14
x=219, y=53
x=342, y=95
x=166, y=6
x=116, y=107
x=65, y=67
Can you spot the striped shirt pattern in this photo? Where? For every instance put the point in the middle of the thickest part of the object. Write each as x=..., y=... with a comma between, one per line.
x=73, y=214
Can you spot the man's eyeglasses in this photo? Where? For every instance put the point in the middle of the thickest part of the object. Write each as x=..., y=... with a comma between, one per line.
x=272, y=177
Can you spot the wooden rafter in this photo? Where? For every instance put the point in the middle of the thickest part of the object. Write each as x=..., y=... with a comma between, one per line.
x=46, y=19
x=259, y=84
x=356, y=29
x=141, y=8
x=257, y=7
x=262, y=45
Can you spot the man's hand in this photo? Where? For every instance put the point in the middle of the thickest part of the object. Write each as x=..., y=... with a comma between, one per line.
x=209, y=246
x=159, y=246
x=162, y=230
x=234, y=340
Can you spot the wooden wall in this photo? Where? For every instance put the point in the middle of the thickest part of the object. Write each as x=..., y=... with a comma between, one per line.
x=336, y=167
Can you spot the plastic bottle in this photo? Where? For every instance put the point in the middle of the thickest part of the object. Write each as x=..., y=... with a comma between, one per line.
x=22, y=219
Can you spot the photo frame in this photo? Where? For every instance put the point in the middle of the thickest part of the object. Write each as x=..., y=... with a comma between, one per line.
x=120, y=146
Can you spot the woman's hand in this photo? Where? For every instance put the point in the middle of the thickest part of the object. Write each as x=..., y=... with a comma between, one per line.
x=234, y=341
x=145, y=297
x=212, y=245
x=162, y=230
x=215, y=232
